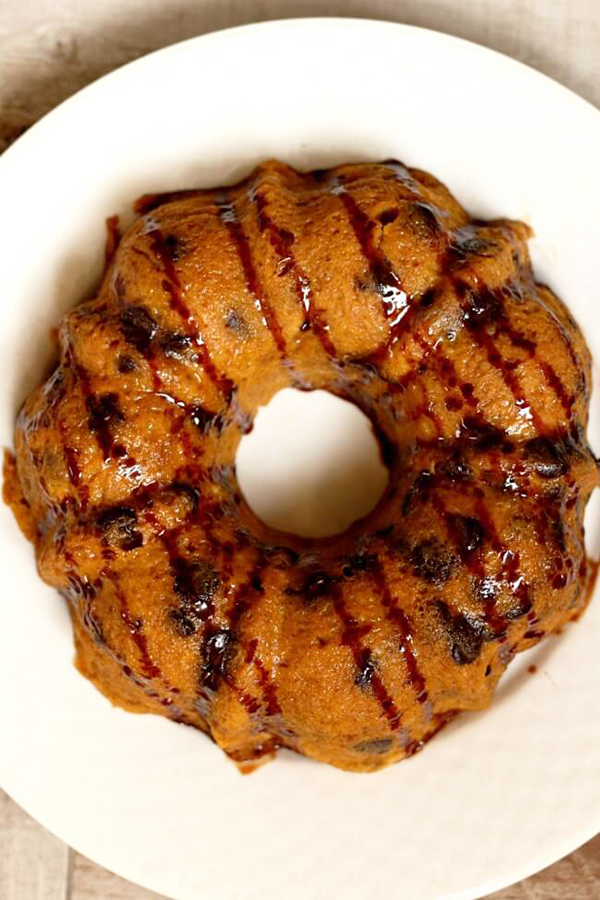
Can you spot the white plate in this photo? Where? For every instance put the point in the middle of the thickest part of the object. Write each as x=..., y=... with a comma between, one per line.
x=495, y=796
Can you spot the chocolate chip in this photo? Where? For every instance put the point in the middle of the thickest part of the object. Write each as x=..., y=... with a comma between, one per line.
x=522, y=608
x=138, y=327
x=482, y=435
x=80, y=586
x=548, y=458
x=466, y=243
x=118, y=527
x=173, y=247
x=359, y=564
x=173, y=344
x=204, y=418
x=196, y=583
x=217, y=651
x=454, y=467
x=469, y=534
x=316, y=585
x=424, y=219
x=185, y=625
x=432, y=561
x=418, y=491
x=486, y=589
x=104, y=410
x=236, y=323
x=387, y=216
x=365, y=284
x=125, y=364
x=483, y=310
x=453, y=403
x=282, y=557
x=181, y=489
x=468, y=640
x=466, y=634
x=365, y=672
x=256, y=583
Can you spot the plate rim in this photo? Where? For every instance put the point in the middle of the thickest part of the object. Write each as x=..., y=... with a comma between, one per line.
x=297, y=21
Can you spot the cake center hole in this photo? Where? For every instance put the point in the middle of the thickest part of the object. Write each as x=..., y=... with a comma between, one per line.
x=311, y=465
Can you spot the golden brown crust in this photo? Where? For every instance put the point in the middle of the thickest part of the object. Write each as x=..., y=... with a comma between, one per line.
x=12, y=494
x=369, y=281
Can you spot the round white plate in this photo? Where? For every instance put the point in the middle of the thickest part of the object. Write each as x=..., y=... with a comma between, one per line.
x=495, y=796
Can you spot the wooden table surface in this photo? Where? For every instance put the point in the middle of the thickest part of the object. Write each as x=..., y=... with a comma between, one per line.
x=50, y=49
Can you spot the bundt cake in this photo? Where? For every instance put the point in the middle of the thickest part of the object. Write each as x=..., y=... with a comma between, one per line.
x=369, y=281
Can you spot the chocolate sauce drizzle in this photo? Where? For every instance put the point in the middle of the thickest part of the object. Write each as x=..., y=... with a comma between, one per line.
x=396, y=302
x=80, y=590
x=238, y=236
x=243, y=599
x=172, y=286
x=403, y=625
x=282, y=241
x=148, y=667
x=367, y=674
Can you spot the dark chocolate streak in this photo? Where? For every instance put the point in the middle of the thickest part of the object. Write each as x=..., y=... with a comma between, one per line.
x=402, y=624
x=238, y=236
x=352, y=637
x=396, y=302
x=485, y=317
x=470, y=557
x=243, y=599
x=566, y=400
x=100, y=420
x=149, y=668
x=246, y=592
x=282, y=241
x=510, y=572
x=80, y=589
x=209, y=684
x=507, y=371
x=268, y=688
x=71, y=457
x=173, y=288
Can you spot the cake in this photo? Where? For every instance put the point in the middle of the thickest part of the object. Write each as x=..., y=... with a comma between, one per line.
x=371, y=282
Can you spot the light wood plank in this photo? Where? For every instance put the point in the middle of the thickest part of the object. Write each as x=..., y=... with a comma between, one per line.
x=34, y=865
x=91, y=882
x=577, y=877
